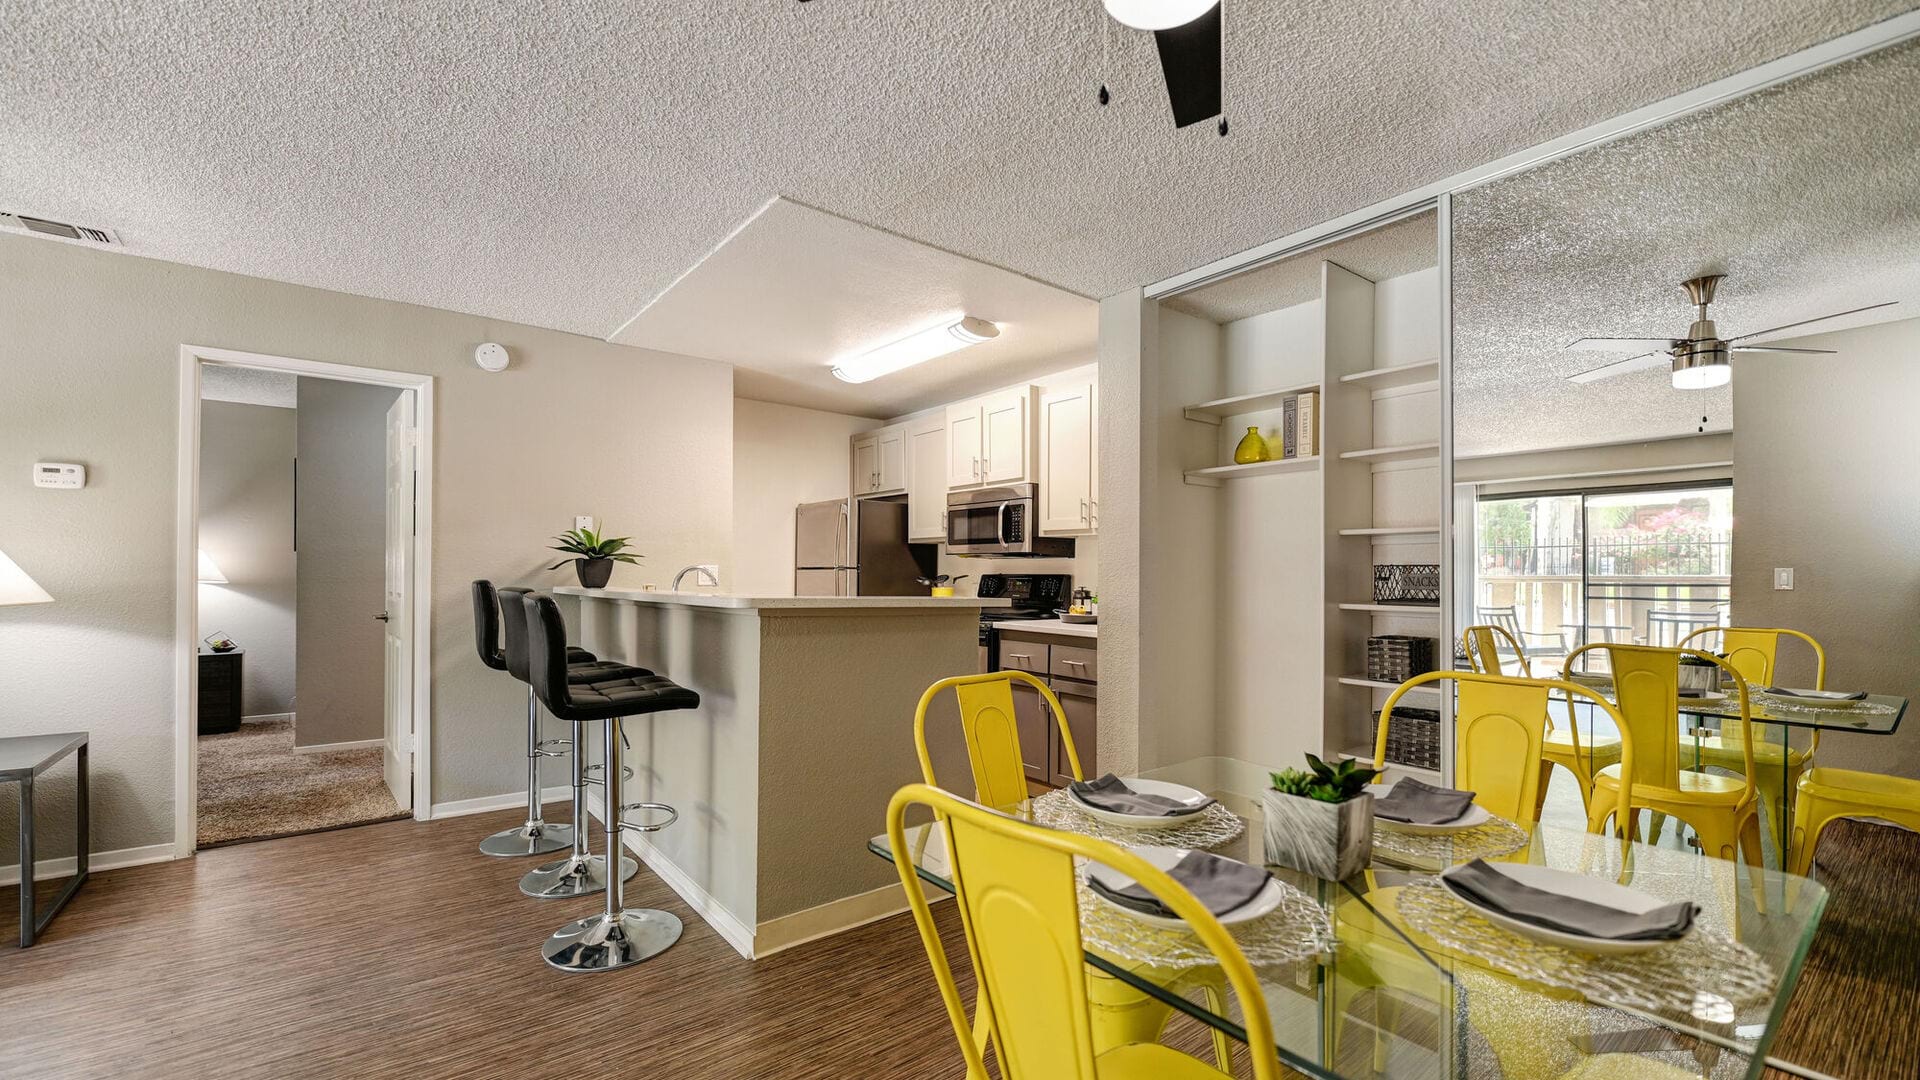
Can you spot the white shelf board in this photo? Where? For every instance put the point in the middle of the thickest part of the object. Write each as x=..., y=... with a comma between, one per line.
x=1395, y=453
x=1409, y=530
x=1427, y=610
x=1213, y=412
x=1219, y=474
x=1397, y=375
x=1365, y=753
x=1360, y=680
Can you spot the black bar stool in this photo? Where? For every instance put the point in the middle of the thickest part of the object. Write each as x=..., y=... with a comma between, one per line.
x=536, y=837
x=618, y=936
x=581, y=872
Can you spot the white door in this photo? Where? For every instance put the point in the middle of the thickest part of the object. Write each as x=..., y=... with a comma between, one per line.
x=399, y=600
x=866, y=464
x=893, y=459
x=1003, y=460
x=963, y=445
x=927, y=483
x=1066, y=461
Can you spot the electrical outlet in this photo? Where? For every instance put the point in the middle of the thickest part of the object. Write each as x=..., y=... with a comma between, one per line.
x=583, y=521
x=1783, y=577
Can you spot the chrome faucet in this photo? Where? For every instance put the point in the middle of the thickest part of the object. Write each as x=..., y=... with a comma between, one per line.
x=705, y=576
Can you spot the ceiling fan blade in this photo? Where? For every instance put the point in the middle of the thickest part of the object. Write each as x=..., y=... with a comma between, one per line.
x=1637, y=363
x=1776, y=348
x=1190, y=60
x=1622, y=344
x=1815, y=319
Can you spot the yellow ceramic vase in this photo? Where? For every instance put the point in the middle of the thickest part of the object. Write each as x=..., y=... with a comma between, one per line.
x=1252, y=448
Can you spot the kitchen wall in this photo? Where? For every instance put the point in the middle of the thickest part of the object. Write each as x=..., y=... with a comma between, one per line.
x=342, y=542
x=246, y=527
x=1826, y=480
x=782, y=456
x=88, y=373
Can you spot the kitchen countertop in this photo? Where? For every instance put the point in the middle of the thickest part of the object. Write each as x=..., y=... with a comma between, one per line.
x=782, y=603
x=1052, y=626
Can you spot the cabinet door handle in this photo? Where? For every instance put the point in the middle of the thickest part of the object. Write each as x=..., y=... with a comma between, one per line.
x=1085, y=515
x=976, y=468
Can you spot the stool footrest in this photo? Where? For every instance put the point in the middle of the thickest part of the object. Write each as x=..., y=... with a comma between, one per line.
x=635, y=826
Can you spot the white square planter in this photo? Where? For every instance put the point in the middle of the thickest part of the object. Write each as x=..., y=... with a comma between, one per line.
x=1328, y=840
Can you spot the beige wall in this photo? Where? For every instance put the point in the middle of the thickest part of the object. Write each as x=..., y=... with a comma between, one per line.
x=782, y=456
x=1827, y=481
x=246, y=527
x=88, y=369
x=343, y=541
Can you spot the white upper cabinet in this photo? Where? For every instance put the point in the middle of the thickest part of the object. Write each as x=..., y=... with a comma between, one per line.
x=866, y=463
x=880, y=461
x=1005, y=437
x=1068, y=464
x=964, y=445
x=927, y=479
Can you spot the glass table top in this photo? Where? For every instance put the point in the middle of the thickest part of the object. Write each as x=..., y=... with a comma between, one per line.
x=1397, y=983
x=1879, y=714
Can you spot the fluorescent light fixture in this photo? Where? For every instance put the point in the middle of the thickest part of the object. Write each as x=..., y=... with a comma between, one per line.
x=16, y=587
x=948, y=335
x=1158, y=14
x=209, y=571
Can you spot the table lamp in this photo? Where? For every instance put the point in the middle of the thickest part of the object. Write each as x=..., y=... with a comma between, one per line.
x=210, y=571
x=16, y=587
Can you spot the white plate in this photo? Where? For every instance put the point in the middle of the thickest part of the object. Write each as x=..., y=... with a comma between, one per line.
x=1814, y=699
x=1475, y=815
x=1176, y=792
x=1165, y=858
x=1708, y=697
x=1566, y=883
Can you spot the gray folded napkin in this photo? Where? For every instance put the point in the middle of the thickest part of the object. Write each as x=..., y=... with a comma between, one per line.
x=1220, y=884
x=1816, y=695
x=1417, y=803
x=1568, y=914
x=1111, y=794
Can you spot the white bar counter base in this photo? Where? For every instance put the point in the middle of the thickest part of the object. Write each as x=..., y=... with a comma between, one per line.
x=804, y=731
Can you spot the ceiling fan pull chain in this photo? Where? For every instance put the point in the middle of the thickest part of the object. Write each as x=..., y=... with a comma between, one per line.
x=1223, y=68
x=1105, y=60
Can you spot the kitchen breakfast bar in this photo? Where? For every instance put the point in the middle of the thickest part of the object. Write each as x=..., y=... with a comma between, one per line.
x=804, y=731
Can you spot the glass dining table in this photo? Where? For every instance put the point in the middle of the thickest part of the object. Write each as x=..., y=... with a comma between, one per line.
x=1385, y=974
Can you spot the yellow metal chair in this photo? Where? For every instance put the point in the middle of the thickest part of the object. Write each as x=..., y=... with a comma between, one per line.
x=1562, y=748
x=1017, y=896
x=1723, y=810
x=1753, y=650
x=1121, y=1013
x=1826, y=795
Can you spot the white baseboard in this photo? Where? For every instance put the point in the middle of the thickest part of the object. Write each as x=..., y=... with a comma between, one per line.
x=489, y=803
x=48, y=869
x=833, y=917
x=328, y=748
x=724, y=923
x=267, y=718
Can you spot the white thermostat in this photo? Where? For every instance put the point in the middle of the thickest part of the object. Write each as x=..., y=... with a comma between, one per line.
x=59, y=475
x=491, y=356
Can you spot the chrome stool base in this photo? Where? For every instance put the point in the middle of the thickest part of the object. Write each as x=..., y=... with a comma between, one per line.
x=573, y=876
x=604, y=942
x=541, y=839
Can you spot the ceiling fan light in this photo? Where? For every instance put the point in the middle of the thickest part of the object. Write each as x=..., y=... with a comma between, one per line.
x=1701, y=376
x=946, y=336
x=1157, y=14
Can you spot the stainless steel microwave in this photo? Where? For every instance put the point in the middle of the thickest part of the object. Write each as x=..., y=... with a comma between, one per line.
x=1001, y=522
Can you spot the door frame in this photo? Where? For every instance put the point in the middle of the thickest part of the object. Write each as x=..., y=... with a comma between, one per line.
x=186, y=604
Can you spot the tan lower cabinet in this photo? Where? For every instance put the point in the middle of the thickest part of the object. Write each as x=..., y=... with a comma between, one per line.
x=1081, y=702
x=1030, y=719
x=1070, y=667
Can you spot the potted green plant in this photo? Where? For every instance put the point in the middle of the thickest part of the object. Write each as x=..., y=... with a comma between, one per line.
x=1699, y=673
x=594, y=555
x=1320, y=822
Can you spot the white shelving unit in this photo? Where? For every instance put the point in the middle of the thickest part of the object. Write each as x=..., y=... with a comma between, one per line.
x=1410, y=452
x=1387, y=534
x=1216, y=475
x=1397, y=375
x=1215, y=412
x=1376, y=684
x=1416, y=610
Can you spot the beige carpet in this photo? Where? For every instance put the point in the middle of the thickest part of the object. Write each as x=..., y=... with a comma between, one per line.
x=253, y=786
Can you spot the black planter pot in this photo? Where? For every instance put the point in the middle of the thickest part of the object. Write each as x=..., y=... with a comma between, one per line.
x=594, y=573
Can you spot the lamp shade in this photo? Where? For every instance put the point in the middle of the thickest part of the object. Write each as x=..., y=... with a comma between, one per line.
x=16, y=587
x=209, y=571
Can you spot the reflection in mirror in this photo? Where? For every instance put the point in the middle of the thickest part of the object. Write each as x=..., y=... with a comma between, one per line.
x=1600, y=497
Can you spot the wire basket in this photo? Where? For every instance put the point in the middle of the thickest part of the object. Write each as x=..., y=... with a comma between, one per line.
x=1413, y=738
x=1398, y=657
x=1406, y=583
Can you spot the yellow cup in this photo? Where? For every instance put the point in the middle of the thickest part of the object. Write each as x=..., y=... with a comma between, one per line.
x=943, y=590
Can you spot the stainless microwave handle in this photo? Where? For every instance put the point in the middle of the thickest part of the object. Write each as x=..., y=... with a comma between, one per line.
x=1002, y=524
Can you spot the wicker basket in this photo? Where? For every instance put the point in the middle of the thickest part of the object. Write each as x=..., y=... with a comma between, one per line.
x=1413, y=738
x=1398, y=657
x=1406, y=583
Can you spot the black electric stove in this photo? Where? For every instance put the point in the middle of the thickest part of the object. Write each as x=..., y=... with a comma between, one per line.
x=1034, y=596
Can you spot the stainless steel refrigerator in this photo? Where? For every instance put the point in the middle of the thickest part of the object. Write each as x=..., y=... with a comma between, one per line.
x=860, y=550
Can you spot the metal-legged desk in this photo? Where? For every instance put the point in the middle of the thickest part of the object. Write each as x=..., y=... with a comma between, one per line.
x=22, y=758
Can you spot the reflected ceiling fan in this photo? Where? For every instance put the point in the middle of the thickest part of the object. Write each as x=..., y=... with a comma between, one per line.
x=1701, y=359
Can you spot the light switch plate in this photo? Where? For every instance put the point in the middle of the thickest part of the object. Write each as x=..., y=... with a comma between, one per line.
x=1783, y=577
x=583, y=521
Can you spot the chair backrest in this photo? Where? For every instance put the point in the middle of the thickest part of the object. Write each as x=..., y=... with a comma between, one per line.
x=1506, y=618
x=545, y=654
x=991, y=726
x=1669, y=629
x=1646, y=689
x=1754, y=651
x=1483, y=648
x=1500, y=724
x=1016, y=889
x=515, y=648
x=486, y=625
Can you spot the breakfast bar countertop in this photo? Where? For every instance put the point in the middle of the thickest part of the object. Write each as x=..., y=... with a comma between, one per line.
x=781, y=603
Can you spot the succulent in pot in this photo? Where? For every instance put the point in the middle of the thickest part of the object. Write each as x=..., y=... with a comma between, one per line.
x=594, y=555
x=1321, y=821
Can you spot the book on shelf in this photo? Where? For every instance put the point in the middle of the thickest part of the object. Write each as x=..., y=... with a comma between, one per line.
x=1287, y=413
x=1304, y=432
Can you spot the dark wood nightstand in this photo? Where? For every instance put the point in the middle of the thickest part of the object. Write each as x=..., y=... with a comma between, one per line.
x=220, y=686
